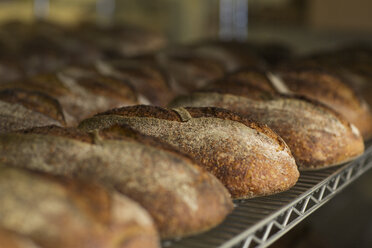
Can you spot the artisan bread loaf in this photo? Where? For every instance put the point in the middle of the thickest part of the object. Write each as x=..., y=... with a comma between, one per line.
x=332, y=90
x=21, y=109
x=309, y=81
x=248, y=158
x=58, y=213
x=13, y=240
x=318, y=136
x=80, y=96
x=182, y=198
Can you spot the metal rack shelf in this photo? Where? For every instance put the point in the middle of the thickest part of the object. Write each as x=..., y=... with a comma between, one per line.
x=260, y=221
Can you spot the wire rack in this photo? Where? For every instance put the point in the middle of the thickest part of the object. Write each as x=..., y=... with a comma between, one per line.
x=260, y=221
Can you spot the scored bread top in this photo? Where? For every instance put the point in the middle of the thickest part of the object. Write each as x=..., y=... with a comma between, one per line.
x=136, y=165
x=115, y=132
x=318, y=136
x=235, y=149
x=332, y=90
x=195, y=112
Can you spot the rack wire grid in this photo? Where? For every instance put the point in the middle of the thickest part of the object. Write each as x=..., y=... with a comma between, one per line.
x=260, y=221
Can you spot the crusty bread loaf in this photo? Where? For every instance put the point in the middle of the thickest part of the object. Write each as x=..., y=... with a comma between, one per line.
x=82, y=96
x=59, y=212
x=21, y=109
x=182, y=198
x=332, y=90
x=149, y=80
x=318, y=136
x=13, y=240
x=248, y=158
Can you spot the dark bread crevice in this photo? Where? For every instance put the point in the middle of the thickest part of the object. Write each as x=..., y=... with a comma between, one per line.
x=71, y=133
x=144, y=111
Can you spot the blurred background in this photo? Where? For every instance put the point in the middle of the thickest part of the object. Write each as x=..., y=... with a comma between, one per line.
x=305, y=25
x=297, y=22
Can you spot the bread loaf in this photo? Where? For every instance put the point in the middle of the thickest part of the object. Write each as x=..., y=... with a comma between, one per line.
x=317, y=136
x=182, y=198
x=58, y=213
x=12, y=240
x=332, y=90
x=21, y=109
x=248, y=158
x=81, y=96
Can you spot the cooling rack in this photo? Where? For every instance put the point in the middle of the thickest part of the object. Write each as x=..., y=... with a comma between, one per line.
x=260, y=221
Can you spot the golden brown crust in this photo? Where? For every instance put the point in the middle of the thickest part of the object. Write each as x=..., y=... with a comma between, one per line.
x=35, y=101
x=248, y=158
x=61, y=212
x=182, y=198
x=331, y=90
x=318, y=136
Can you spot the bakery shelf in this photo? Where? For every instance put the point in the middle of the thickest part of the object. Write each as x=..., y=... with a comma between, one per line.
x=260, y=221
